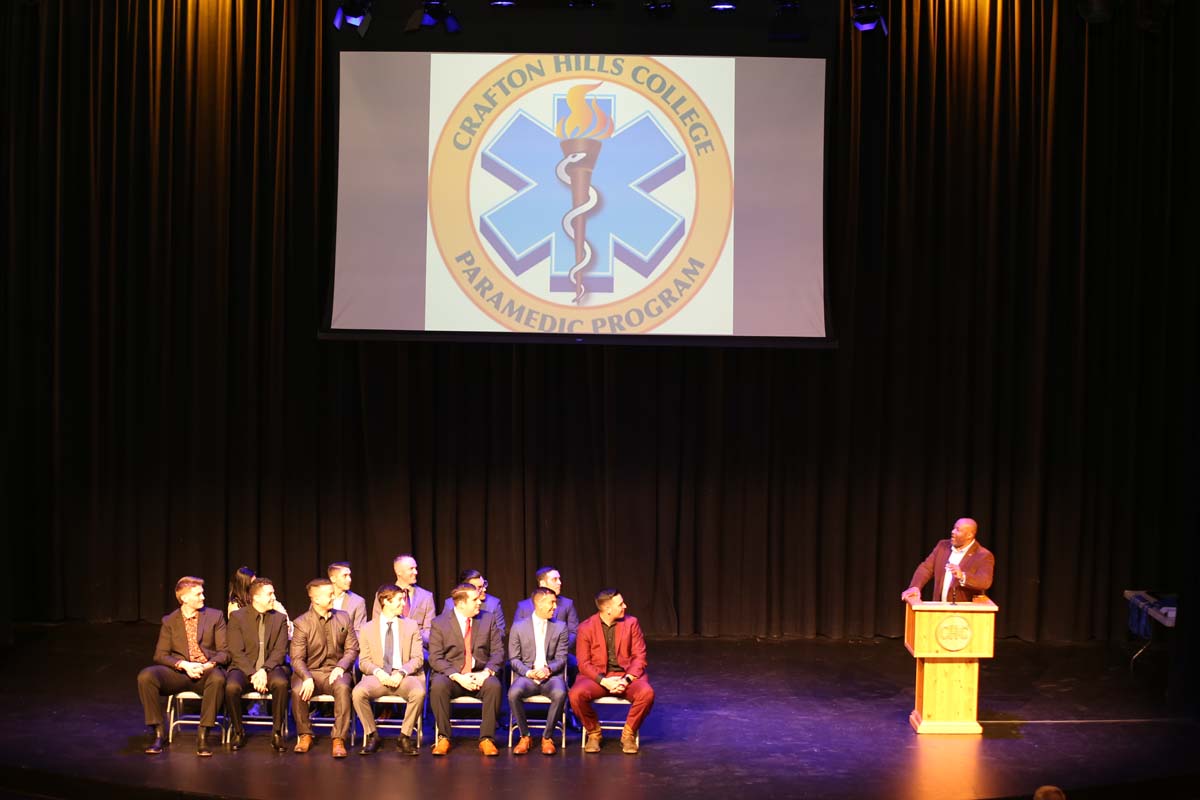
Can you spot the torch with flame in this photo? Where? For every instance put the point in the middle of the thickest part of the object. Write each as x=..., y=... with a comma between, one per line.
x=580, y=134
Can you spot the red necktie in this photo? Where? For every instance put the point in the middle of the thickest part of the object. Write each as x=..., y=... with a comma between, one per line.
x=468, y=661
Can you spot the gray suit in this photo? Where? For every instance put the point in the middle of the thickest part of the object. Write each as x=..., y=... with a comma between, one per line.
x=371, y=662
x=420, y=611
x=522, y=655
x=356, y=607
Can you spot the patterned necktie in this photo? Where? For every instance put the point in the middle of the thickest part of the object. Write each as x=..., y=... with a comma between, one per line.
x=388, y=644
x=468, y=661
x=262, y=645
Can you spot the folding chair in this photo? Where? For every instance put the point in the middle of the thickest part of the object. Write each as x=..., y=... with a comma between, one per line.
x=397, y=723
x=470, y=723
x=329, y=721
x=263, y=720
x=176, y=718
x=611, y=724
x=539, y=700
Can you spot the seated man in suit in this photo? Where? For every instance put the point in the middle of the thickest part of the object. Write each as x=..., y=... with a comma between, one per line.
x=258, y=644
x=418, y=603
x=189, y=655
x=344, y=599
x=537, y=653
x=491, y=603
x=612, y=661
x=390, y=659
x=324, y=648
x=465, y=652
x=962, y=565
x=550, y=578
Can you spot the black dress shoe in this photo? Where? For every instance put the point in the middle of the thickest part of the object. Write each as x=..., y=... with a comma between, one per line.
x=370, y=744
x=407, y=745
x=202, y=748
x=237, y=740
x=277, y=741
x=156, y=744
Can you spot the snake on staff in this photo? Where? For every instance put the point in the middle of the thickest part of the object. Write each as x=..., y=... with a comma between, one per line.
x=569, y=218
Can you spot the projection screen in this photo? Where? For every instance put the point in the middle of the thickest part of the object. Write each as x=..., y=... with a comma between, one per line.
x=579, y=195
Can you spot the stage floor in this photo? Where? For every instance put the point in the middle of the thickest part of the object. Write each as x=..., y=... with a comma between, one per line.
x=742, y=718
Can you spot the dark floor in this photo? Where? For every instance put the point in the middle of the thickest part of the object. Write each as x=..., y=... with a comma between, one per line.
x=752, y=719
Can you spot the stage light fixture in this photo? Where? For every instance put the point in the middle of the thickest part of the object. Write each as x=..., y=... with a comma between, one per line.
x=788, y=22
x=866, y=16
x=723, y=5
x=430, y=13
x=355, y=13
x=659, y=8
x=1096, y=11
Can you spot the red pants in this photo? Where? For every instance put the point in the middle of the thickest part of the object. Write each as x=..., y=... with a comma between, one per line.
x=640, y=693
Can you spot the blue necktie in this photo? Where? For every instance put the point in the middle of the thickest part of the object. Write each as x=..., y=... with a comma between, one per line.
x=388, y=644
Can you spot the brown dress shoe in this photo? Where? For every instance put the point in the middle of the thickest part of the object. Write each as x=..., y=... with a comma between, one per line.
x=523, y=746
x=548, y=748
x=591, y=741
x=303, y=742
x=488, y=747
x=339, y=748
x=442, y=747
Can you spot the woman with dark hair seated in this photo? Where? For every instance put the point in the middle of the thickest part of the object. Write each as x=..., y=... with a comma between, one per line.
x=239, y=595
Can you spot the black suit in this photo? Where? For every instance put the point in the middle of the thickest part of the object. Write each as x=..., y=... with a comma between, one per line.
x=447, y=652
x=165, y=677
x=244, y=652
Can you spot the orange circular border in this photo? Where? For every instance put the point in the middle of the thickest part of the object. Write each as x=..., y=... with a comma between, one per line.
x=706, y=238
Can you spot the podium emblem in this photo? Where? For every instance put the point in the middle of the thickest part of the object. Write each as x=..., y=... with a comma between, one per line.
x=953, y=633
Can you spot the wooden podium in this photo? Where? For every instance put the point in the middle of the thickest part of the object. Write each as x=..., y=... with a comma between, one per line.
x=948, y=639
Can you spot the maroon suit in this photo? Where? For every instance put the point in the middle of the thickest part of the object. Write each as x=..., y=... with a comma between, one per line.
x=977, y=565
x=593, y=665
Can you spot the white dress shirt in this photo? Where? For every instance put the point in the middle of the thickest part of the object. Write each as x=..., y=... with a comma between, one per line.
x=956, y=557
x=539, y=642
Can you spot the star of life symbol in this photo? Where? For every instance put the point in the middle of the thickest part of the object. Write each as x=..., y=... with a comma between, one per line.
x=582, y=208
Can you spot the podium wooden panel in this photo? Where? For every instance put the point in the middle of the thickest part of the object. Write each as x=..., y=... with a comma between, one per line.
x=948, y=639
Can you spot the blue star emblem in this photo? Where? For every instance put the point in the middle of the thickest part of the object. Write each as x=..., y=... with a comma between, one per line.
x=628, y=224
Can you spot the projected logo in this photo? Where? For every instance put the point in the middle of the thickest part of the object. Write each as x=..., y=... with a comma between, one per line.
x=598, y=194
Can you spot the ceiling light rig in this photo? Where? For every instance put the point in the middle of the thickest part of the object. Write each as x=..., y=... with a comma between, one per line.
x=659, y=8
x=430, y=14
x=353, y=13
x=867, y=15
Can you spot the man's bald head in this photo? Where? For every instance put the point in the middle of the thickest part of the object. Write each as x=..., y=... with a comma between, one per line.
x=964, y=532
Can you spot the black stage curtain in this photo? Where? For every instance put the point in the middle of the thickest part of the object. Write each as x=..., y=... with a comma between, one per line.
x=1013, y=283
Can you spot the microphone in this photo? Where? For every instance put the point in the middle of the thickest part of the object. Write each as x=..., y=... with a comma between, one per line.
x=953, y=583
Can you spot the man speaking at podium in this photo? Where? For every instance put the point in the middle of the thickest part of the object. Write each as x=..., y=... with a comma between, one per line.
x=963, y=567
